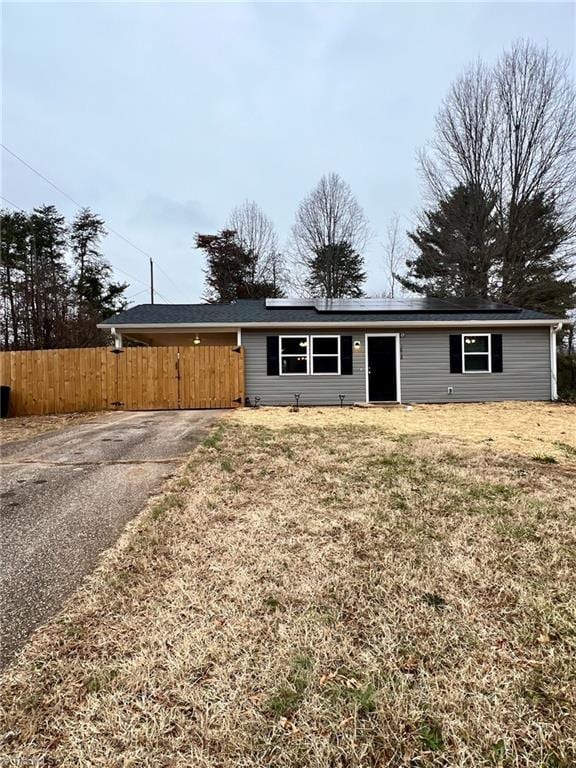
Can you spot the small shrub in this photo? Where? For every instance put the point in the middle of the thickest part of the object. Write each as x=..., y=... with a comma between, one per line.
x=567, y=377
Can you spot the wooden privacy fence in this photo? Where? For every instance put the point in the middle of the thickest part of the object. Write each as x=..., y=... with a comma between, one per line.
x=135, y=378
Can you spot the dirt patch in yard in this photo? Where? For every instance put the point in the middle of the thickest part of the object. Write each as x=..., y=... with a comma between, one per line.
x=23, y=427
x=533, y=429
x=305, y=596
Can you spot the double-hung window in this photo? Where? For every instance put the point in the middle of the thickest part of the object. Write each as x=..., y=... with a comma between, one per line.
x=476, y=353
x=293, y=355
x=304, y=355
x=325, y=353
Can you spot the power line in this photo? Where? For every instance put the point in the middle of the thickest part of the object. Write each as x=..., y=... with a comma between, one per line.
x=11, y=203
x=163, y=297
x=166, y=275
x=134, y=295
x=79, y=205
x=116, y=269
x=21, y=160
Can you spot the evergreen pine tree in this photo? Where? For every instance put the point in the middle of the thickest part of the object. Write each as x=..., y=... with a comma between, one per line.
x=336, y=271
x=458, y=247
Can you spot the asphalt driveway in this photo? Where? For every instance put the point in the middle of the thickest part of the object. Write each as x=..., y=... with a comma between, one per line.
x=66, y=496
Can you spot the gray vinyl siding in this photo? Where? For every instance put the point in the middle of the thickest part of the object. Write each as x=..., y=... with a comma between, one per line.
x=315, y=390
x=424, y=369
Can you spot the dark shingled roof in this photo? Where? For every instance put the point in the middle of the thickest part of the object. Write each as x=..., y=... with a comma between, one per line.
x=246, y=311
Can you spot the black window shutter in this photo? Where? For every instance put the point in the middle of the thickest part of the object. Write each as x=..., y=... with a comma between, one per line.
x=455, y=353
x=273, y=355
x=496, y=347
x=346, y=355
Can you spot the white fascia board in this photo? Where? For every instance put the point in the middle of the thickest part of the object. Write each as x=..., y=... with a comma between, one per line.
x=172, y=327
x=334, y=325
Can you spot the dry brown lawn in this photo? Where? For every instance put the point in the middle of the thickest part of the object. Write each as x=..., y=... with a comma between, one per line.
x=321, y=590
x=23, y=427
x=521, y=427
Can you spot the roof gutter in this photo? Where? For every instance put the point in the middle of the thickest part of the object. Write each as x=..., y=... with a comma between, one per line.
x=332, y=324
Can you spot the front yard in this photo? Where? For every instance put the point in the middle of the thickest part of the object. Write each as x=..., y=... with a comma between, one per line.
x=327, y=588
x=23, y=427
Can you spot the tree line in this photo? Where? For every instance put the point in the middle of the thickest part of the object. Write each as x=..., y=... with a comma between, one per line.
x=499, y=222
x=55, y=283
x=500, y=183
x=243, y=260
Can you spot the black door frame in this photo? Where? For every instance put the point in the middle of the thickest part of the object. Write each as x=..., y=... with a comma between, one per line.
x=396, y=336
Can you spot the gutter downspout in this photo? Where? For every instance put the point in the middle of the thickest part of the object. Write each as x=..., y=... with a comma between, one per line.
x=554, y=362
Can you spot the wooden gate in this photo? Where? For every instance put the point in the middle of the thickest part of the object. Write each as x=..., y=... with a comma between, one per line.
x=155, y=378
x=146, y=378
x=210, y=377
x=135, y=378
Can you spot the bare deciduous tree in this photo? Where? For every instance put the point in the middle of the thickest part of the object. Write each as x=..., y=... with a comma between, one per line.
x=328, y=220
x=510, y=131
x=461, y=153
x=395, y=253
x=255, y=234
x=329, y=215
x=535, y=149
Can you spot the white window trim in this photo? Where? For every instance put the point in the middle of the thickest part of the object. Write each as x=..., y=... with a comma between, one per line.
x=280, y=355
x=332, y=354
x=470, y=354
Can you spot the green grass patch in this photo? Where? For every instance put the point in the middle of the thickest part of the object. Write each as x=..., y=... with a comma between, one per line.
x=99, y=682
x=544, y=458
x=517, y=532
x=288, y=697
x=569, y=450
x=350, y=687
x=165, y=504
x=213, y=440
x=430, y=733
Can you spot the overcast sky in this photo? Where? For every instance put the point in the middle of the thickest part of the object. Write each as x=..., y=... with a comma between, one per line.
x=163, y=117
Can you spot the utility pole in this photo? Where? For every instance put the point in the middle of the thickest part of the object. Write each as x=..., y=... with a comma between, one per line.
x=151, y=281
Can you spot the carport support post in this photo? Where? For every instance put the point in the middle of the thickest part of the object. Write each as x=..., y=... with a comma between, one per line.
x=117, y=338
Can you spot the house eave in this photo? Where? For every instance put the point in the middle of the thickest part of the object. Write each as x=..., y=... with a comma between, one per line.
x=232, y=327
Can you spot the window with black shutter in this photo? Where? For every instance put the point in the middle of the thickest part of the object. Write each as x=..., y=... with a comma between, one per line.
x=476, y=353
x=273, y=355
x=346, y=361
x=497, y=356
x=455, y=353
